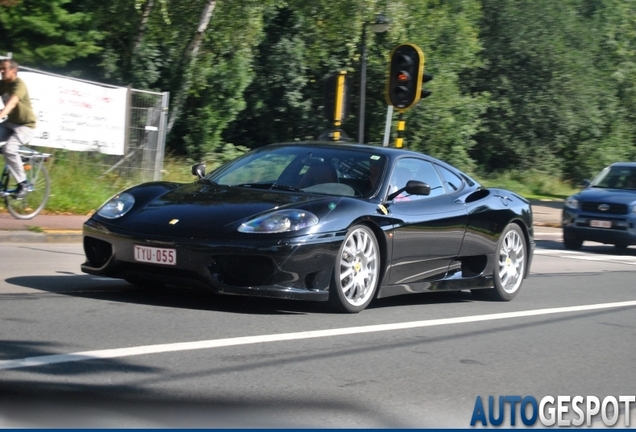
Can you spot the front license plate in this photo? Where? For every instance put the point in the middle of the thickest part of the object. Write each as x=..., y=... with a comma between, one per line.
x=600, y=224
x=155, y=255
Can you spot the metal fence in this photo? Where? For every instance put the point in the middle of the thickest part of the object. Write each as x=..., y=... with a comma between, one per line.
x=146, y=127
x=146, y=122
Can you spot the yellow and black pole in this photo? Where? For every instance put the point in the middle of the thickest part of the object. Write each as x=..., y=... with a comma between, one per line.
x=339, y=109
x=336, y=103
x=399, y=140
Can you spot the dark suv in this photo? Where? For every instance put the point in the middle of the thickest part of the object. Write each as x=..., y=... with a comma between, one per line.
x=605, y=210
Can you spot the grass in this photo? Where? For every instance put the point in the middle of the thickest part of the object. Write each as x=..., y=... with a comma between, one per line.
x=533, y=185
x=79, y=188
x=80, y=191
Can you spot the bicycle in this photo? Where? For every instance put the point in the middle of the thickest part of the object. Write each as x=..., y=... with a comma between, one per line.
x=39, y=184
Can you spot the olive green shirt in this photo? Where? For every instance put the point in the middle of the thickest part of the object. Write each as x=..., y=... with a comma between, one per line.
x=22, y=114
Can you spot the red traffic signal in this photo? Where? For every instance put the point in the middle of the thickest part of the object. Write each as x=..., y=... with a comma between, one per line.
x=403, y=76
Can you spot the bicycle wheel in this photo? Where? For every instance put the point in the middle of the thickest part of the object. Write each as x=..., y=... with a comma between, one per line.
x=35, y=200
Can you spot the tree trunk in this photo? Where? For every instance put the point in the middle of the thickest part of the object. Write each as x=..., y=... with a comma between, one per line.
x=188, y=61
x=142, y=26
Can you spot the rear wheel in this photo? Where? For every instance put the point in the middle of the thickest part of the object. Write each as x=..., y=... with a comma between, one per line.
x=35, y=200
x=511, y=265
x=356, y=272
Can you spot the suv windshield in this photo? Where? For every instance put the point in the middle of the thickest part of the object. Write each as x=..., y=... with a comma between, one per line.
x=616, y=177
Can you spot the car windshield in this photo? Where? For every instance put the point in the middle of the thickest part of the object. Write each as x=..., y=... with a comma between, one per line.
x=616, y=177
x=323, y=170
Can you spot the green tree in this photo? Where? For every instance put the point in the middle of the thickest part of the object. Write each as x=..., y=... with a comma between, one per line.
x=304, y=42
x=220, y=77
x=46, y=33
x=547, y=69
x=612, y=54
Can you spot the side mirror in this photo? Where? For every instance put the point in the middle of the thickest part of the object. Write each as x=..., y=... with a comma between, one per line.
x=198, y=170
x=585, y=183
x=413, y=187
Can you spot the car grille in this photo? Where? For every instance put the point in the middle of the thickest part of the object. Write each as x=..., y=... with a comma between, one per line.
x=615, y=209
x=243, y=270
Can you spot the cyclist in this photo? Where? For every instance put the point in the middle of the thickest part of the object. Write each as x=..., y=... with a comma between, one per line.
x=19, y=128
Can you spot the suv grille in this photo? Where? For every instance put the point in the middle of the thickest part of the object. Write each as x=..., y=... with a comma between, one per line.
x=615, y=209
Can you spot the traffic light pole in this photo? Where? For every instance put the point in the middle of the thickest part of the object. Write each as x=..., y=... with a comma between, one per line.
x=399, y=140
x=363, y=85
x=336, y=106
x=339, y=105
x=387, y=125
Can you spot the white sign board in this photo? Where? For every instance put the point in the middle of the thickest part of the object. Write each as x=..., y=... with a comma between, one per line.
x=77, y=116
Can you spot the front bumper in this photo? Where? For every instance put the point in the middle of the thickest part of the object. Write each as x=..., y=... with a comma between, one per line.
x=621, y=228
x=298, y=268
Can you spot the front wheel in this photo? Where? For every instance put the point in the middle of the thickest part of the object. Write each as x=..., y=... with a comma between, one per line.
x=356, y=272
x=510, y=268
x=572, y=242
x=36, y=198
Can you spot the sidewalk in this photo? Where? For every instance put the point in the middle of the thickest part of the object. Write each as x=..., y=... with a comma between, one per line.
x=547, y=213
x=42, y=228
x=68, y=228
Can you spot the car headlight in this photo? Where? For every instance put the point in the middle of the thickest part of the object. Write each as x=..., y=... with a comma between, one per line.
x=117, y=206
x=280, y=221
x=572, y=202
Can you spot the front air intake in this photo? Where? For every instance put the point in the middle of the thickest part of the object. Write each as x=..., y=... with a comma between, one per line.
x=98, y=252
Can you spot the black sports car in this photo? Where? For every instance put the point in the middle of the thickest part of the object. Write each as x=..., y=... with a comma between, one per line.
x=318, y=221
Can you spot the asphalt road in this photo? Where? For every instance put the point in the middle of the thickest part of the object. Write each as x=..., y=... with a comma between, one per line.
x=82, y=351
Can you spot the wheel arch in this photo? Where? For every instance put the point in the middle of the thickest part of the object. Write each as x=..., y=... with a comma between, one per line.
x=383, y=245
x=526, y=235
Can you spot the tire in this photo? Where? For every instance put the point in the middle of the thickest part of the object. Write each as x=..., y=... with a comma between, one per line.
x=356, y=272
x=621, y=246
x=572, y=242
x=510, y=268
x=36, y=199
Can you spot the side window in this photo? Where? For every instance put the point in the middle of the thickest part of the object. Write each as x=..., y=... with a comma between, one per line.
x=415, y=169
x=451, y=181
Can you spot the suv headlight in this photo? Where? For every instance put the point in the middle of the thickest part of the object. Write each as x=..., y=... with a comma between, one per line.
x=280, y=221
x=572, y=202
x=117, y=206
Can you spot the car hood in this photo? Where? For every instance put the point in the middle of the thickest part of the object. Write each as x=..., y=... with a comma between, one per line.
x=205, y=210
x=609, y=196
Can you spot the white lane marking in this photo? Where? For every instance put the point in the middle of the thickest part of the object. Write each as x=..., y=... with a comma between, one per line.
x=247, y=340
x=547, y=233
x=586, y=256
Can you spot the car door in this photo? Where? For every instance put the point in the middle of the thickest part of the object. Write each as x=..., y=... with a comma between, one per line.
x=429, y=229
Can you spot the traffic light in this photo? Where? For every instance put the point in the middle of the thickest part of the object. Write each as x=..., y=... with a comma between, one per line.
x=404, y=85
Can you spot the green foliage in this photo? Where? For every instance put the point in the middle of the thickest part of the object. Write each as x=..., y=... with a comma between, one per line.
x=219, y=81
x=47, y=33
x=549, y=67
x=532, y=184
x=520, y=85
